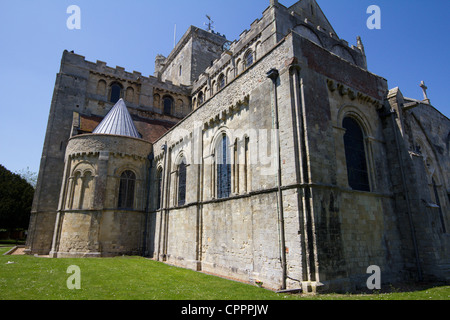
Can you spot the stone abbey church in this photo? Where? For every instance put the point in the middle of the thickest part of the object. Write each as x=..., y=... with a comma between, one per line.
x=276, y=158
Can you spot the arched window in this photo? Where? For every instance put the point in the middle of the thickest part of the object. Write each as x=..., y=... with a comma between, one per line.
x=116, y=93
x=126, y=190
x=246, y=164
x=355, y=155
x=236, y=167
x=221, y=82
x=248, y=59
x=159, y=174
x=223, y=168
x=182, y=183
x=201, y=98
x=168, y=105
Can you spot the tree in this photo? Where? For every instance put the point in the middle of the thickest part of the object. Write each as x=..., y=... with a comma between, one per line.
x=29, y=176
x=16, y=198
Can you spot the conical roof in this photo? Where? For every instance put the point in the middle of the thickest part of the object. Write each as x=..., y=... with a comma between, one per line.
x=118, y=122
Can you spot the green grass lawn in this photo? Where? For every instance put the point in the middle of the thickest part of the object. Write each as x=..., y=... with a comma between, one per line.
x=135, y=278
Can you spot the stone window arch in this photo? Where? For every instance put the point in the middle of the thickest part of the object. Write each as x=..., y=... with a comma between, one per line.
x=355, y=155
x=81, y=193
x=248, y=58
x=308, y=33
x=101, y=88
x=221, y=82
x=201, y=98
x=156, y=100
x=213, y=87
x=180, y=107
x=181, y=183
x=246, y=164
x=130, y=95
x=168, y=105
x=74, y=195
x=115, y=92
x=236, y=167
x=159, y=177
x=127, y=190
x=239, y=68
x=343, y=53
x=223, y=166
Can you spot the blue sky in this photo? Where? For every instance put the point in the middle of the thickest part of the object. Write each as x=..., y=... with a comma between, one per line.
x=412, y=45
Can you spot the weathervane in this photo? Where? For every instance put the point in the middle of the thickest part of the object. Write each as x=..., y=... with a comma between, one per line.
x=209, y=24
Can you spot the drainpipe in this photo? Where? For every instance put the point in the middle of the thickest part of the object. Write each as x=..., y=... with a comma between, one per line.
x=147, y=205
x=273, y=74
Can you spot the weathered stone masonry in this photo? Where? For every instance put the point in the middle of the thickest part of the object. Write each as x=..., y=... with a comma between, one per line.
x=276, y=158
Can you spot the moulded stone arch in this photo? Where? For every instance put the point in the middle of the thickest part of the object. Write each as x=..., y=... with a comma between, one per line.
x=358, y=115
x=83, y=167
x=113, y=94
x=130, y=94
x=216, y=138
x=221, y=81
x=228, y=75
x=343, y=52
x=365, y=126
x=168, y=104
x=101, y=87
x=81, y=186
x=221, y=174
x=179, y=158
x=179, y=191
x=239, y=67
x=157, y=100
x=308, y=33
x=257, y=50
x=249, y=58
x=128, y=167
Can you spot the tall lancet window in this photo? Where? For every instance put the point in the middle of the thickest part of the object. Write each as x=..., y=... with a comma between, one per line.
x=182, y=183
x=355, y=155
x=159, y=190
x=223, y=168
x=126, y=190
